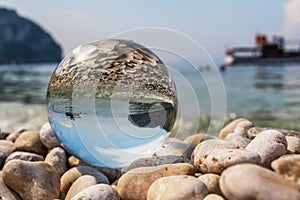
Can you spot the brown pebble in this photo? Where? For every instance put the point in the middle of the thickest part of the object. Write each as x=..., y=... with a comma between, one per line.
x=135, y=183
x=31, y=180
x=72, y=174
x=288, y=166
x=166, y=188
x=80, y=184
x=229, y=128
x=30, y=141
x=248, y=181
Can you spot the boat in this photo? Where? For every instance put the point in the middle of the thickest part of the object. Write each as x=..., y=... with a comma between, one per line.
x=265, y=52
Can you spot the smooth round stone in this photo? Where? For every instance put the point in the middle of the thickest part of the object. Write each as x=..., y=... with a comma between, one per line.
x=14, y=135
x=229, y=128
x=31, y=180
x=248, y=181
x=98, y=192
x=47, y=137
x=30, y=141
x=238, y=140
x=213, y=197
x=5, y=150
x=80, y=184
x=288, y=166
x=175, y=149
x=74, y=161
x=211, y=181
x=166, y=188
x=57, y=158
x=7, y=193
x=135, y=183
x=293, y=144
x=270, y=145
x=195, y=139
x=26, y=156
x=72, y=174
x=213, y=156
x=242, y=128
x=158, y=160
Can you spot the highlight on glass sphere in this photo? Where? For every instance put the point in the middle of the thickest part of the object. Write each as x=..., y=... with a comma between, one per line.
x=111, y=102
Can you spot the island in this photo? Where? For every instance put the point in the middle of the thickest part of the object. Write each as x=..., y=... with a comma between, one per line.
x=22, y=41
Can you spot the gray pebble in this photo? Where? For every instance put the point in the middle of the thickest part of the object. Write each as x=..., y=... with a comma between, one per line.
x=270, y=145
x=57, y=158
x=214, y=158
x=242, y=128
x=158, y=160
x=175, y=149
x=47, y=137
x=98, y=192
x=238, y=140
x=22, y=155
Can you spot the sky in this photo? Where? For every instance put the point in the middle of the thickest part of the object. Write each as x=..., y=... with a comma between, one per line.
x=215, y=24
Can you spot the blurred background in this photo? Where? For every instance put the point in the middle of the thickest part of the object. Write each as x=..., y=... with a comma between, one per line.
x=34, y=37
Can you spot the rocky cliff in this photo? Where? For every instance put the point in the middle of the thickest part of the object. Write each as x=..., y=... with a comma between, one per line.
x=23, y=41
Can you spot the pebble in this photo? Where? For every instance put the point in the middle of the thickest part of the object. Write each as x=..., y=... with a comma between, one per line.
x=23, y=155
x=288, y=166
x=80, y=184
x=157, y=160
x=110, y=173
x=248, y=181
x=30, y=141
x=213, y=156
x=238, y=140
x=270, y=145
x=195, y=139
x=213, y=197
x=175, y=149
x=229, y=128
x=98, y=192
x=72, y=174
x=57, y=158
x=293, y=144
x=31, y=180
x=74, y=162
x=135, y=183
x=47, y=137
x=5, y=150
x=3, y=134
x=14, y=135
x=5, y=192
x=254, y=131
x=242, y=128
x=165, y=188
x=211, y=181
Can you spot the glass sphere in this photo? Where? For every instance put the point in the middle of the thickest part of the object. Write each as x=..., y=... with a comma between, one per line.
x=111, y=102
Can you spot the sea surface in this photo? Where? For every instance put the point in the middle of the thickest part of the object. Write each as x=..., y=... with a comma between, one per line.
x=268, y=95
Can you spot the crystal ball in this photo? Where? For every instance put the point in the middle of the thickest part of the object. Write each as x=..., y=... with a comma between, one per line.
x=111, y=102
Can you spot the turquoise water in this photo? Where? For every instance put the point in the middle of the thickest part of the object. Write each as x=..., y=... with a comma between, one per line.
x=259, y=93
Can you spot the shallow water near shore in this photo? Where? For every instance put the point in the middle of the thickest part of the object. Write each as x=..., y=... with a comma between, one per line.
x=269, y=96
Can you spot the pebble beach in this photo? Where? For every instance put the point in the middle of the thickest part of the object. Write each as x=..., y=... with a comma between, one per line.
x=243, y=162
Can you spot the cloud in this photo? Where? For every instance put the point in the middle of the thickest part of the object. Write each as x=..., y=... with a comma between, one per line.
x=292, y=21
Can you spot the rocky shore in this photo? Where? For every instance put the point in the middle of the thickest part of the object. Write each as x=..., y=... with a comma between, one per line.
x=244, y=162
